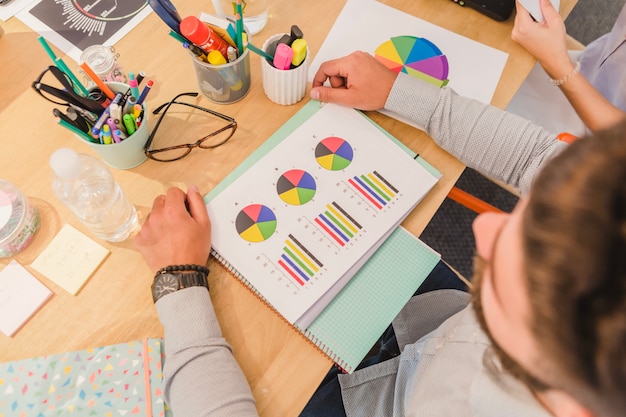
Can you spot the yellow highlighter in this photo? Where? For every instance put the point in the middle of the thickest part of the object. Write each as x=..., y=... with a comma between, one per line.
x=299, y=52
x=229, y=75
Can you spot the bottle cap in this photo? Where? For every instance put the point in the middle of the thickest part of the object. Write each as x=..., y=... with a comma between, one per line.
x=65, y=163
x=193, y=29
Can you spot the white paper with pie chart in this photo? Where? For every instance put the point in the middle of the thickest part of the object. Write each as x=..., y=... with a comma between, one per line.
x=415, y=56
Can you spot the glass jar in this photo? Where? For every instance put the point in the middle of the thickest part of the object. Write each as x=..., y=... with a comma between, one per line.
x=103, y=61
x=19, y=220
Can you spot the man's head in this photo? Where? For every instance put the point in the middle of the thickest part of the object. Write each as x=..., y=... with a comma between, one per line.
x=552, y=291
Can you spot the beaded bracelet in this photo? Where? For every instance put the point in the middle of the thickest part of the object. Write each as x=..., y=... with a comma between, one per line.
x=563, y=80
x=183, y=268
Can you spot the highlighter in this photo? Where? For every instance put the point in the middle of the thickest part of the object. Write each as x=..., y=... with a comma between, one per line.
x=299, y=52
x=129, y=123
x=228, y=74
x=283, y=56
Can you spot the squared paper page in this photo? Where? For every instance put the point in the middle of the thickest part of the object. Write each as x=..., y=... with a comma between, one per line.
x=70, y=259
x=270, y=263
x=474, y=69
x=21, y=295
x=361, y=312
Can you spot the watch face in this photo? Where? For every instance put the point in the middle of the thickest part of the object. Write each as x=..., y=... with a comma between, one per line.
x=164, y=284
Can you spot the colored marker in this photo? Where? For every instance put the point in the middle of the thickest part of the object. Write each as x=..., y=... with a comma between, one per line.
x=299, y=52
x=129, y=123
x=283, y=56
x=132, y=82
x=140, y=77
x=130, y=103
x=120, y=134
x=95, y=130
x=105, y=135
x=145, y=92
x=136, y=111
x=103, y=87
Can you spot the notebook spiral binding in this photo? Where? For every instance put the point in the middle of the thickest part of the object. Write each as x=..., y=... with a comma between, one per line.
x=310, y=337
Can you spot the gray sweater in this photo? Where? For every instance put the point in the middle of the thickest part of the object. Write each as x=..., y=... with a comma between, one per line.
x=201, y=375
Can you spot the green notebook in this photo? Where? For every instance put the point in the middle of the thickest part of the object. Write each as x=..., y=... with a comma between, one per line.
x=310, y=223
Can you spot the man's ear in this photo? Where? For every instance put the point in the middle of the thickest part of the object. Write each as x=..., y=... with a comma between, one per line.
x=561, y=404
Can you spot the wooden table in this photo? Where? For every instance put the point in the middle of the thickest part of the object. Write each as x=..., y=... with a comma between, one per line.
x=116, y=306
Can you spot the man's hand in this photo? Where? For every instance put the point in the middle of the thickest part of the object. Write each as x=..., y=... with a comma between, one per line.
x=546, y=41
x=173, y=235
x=357, y=80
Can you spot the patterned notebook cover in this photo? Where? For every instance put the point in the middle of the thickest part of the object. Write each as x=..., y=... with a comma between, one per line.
x=119, y=380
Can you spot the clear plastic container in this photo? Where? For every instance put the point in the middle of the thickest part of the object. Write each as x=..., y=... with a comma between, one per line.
x=19, y=220
x=103, y=61
x=87, y=187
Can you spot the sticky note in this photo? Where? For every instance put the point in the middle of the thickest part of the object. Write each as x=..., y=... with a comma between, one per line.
x=21, y=295
x=70, y=259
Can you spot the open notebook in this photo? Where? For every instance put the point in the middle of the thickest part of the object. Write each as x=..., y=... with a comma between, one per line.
x=302, y=218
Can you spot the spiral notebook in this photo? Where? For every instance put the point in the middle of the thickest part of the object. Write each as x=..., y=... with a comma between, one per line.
x=310, y=225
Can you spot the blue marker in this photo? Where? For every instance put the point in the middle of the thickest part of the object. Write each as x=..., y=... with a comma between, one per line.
x=145, y=92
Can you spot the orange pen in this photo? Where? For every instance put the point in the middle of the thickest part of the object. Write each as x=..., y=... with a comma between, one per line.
x=105, y=88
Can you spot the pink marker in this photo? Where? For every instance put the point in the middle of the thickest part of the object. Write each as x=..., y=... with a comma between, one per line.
x=283, y=56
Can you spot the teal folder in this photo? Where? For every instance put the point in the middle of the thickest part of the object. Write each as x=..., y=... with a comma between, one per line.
x=358, y=315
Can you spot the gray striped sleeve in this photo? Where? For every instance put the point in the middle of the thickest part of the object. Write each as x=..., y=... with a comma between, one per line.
x=496, y=143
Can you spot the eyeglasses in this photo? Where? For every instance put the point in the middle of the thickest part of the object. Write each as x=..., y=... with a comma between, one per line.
x=219, y=135
x=59, y=89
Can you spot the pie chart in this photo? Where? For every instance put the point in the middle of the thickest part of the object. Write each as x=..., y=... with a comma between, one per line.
x=256, y=223
x=415, y=56
x=333, y=153
x=296, y=187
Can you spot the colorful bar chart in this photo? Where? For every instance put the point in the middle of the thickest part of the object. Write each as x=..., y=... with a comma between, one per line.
x=374, y=188
x=297, y=261
x=338, y=224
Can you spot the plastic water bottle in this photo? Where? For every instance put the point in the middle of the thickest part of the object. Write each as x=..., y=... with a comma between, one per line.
x=85, y=185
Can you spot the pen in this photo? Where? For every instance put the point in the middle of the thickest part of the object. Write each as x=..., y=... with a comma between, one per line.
x=140, y=77
x=105, y=88
x=145, y=92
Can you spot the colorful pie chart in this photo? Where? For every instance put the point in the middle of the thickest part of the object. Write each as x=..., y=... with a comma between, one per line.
x=296, y=187
x=256, y=223
x=415, y=56
x=333, y=153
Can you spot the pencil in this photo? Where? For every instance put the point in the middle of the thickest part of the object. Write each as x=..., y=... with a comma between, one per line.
x=76, y=131
x=62, y=66
x=105, y=88
x=239, y=23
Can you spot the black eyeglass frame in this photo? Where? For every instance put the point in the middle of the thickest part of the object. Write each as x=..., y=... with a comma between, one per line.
x=199, y=143
x=67, y=96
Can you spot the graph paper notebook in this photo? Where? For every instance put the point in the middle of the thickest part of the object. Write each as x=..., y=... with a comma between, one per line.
x=306, y=212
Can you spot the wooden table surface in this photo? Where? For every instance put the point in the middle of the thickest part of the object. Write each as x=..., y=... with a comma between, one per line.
x=115, y=305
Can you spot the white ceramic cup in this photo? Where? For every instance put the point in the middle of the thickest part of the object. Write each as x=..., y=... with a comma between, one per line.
x=284, y=87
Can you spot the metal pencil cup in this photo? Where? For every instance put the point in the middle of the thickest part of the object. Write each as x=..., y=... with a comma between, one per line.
x=223, y=84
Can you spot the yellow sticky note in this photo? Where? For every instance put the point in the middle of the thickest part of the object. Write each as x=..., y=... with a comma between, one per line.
x=70, y=259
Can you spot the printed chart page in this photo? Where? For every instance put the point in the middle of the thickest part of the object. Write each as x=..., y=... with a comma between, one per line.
x=407, y=44
x=305, y=213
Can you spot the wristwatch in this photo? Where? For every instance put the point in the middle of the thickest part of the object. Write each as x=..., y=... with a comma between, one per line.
x=169, y=282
